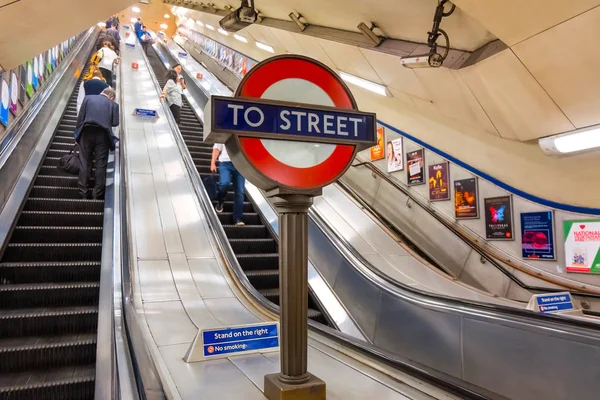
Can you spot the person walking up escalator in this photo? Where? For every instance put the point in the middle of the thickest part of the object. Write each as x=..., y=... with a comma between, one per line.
x=107, y=62
x=228, y=174
x=94, y=134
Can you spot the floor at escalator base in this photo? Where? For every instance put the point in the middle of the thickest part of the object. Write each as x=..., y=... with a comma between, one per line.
x=313, y=389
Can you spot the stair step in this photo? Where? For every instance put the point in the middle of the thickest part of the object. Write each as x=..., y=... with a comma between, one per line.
x=246, y=232
x=47, y=321
x=261, y=261
x=246, y=246
x=35, y=295
x=61, y=218
x=49, y=272
x=54, y=192
x=34, y=252
x=43, y=352
x=65, y=205
x=59, y=383
x=264, y=278
x=49, y=234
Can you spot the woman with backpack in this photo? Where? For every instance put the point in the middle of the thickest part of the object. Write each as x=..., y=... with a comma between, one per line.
x=107, y=58
x=172, y=92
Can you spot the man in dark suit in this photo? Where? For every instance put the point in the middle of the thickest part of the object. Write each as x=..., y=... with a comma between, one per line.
x=93, y=133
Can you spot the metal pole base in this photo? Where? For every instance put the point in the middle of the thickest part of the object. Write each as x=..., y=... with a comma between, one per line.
x=312, y=389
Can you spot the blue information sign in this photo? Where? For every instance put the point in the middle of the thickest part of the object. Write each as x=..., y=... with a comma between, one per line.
x=537, y=235
x=182, y=54
x=130, y=44
x=288, y=121
x=145, y=113
x=554, y=302
x=244, y=339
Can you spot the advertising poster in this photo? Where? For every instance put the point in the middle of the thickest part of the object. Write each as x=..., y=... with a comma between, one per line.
x=23, y=83
x=439, y=188
x=537, y=235
x=415, y=167
x=466, y=199
x=32, y=71
x=14, y=92
x=395, y=155
x=498, y=218
x=582, y=246
x=4, y=102
x=378, y=151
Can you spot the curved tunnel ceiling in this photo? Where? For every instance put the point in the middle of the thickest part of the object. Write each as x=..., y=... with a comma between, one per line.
x=29, y=27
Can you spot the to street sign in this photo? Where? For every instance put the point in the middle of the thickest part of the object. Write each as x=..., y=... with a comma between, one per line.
x=291, y=124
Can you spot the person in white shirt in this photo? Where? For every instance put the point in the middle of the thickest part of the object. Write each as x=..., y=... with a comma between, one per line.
x=90, y=87
x=106, y=64
x=178, y=69
x=227, y=174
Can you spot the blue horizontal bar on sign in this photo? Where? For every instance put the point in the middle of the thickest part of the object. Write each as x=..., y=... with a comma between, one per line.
x=145, y=113
x=292, y=122
x=240, y=346
x=239, y=334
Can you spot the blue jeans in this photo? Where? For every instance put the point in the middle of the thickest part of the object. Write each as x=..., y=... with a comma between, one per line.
x=227, y=175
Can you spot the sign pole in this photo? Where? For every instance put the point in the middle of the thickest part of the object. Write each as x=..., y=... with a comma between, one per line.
x=294, y=381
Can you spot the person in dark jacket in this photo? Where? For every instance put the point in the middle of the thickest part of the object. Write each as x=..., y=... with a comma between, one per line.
x=94, y=134
x=90, y=87
x=114, y=33
x=145, y=39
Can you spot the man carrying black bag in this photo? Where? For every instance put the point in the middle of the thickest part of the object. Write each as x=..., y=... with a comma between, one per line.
x=93, y=133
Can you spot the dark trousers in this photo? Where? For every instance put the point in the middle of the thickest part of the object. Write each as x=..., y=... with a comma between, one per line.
x=145, y=46
x=176, y=111
x=107, y=74
x=227, y=175
x=93, y=145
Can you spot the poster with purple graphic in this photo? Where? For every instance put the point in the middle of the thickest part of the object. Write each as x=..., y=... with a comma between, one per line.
x=4, y=102
x=498, y=218
x=537, y=235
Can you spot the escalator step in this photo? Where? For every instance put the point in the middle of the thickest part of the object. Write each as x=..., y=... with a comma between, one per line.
x=264, y=278
x=61, y=218
x=228, y=205
x=49, y=272
x=56, y=145
x=35, y=295
x=32, y=252
x=246, y=232
x=48, y=321
x=54, y=192
x=54, y=171
x=245, y=246
x=49, y=234
x=270, y=294
x=67, y=205
x=226, y=218
x=51, y=161
x=61, y=383
x=317, y=316
x=50, y=180
x=250, y=262
x=43, y=352
x=64, y=139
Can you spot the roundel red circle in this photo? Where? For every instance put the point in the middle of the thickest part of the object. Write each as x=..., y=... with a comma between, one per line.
x=257, y=81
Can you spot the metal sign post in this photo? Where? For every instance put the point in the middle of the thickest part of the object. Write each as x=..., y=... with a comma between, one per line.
x=291, y=128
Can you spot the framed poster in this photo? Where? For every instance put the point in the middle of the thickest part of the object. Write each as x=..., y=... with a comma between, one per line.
x=14, y=92
x=395, y=155
x=415, y=167
x=378, y=151
x=41, y=68
x=498, y=218
x=4, y=102
x=439, y=185
x=466, y=199
x=582, y=246
x=23, y=83
x=537, y=235
x=34, y=75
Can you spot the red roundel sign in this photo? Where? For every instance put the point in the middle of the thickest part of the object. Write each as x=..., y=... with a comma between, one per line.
x=301, y=165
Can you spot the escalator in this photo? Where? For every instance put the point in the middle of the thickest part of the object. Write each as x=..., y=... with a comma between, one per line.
x=253, y=244
x=49, y=284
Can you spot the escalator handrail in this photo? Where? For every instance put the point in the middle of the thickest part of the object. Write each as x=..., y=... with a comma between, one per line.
x=478, y=244
x=447, y=382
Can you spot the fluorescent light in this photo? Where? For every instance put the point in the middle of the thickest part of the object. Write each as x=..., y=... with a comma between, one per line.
x=570, y=142
x=240, y=38
x=164, y=26
x=223, y=32
x=265, y=47
x=212, y=28
x=101, y=23
x=199, y=23
x=167, y=16
x=133, y=20
x=365, y=84
x=135, y=9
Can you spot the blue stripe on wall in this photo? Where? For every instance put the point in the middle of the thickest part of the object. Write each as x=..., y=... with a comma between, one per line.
x=536, y=199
